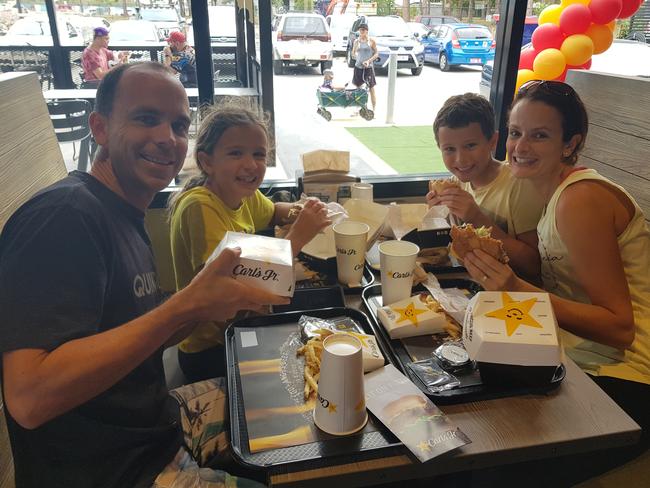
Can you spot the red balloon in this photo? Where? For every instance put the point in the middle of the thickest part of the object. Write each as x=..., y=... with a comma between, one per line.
x=575, y=19
x=547, y=35
x=587, y=65
x=629, y=8
x=527, y=57
x=562, y=77
x=604, y=11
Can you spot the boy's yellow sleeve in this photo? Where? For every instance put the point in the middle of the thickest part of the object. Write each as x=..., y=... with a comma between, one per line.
x=526, y=206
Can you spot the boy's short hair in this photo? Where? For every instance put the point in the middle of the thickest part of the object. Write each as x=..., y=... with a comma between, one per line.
x=462, y=110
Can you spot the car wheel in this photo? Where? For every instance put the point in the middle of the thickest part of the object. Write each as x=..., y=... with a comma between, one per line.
x=325, y=65
x=444, y=62
x=350, y=61
x=278, y=67
x=416, y=71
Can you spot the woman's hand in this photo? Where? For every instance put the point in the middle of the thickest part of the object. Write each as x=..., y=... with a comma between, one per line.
x=490, y=273
x=311, y=220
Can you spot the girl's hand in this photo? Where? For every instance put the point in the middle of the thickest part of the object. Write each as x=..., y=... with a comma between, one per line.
x=490, y=273
x=311, y=220
x=461, y=204
x=433, y=199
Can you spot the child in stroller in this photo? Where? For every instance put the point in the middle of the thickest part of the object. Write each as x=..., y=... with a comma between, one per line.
x=330, y=95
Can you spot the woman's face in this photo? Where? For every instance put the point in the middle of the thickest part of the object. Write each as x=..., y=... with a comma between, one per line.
x=535, y=146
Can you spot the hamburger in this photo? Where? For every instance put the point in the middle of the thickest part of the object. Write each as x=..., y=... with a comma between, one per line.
x=438, y=186
x=466, y=238
x=407, y=413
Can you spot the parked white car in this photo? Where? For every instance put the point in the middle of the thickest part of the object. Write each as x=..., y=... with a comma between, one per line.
x=223, y=26
x=134, y=33
x=166, y=20
x=339, y=29
x=34, y=30
x=302, y=39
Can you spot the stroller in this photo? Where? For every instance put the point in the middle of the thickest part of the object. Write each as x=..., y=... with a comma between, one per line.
x=343, y=98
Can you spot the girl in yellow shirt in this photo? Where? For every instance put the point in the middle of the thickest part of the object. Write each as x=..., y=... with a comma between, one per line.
x=594, y=245
x=231, y=151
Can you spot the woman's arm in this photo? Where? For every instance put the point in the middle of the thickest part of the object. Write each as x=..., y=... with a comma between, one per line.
x=586, y=217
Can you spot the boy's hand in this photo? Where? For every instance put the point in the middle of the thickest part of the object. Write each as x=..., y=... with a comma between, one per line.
x=460, y=203
x=311, y=220
x=433, y=199
x=215, y=295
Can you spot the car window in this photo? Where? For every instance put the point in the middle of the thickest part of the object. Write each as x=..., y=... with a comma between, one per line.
x=159, y=15
x=442, y=32
x=388, y=27
x=304, y=26
x=473, y=33
x=72, y=32
x=127, y=32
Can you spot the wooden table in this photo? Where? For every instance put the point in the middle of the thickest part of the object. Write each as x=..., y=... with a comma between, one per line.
x=578, y=417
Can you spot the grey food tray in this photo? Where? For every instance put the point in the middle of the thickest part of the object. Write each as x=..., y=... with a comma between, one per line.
x=471, y=387
x=328, y=275
x=367, y=444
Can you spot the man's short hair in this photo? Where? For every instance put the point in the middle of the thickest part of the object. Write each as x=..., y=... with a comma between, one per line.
x=462, y=110
x=108, y=86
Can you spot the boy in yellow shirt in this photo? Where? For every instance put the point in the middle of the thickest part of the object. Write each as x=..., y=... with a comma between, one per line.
x=486, y=193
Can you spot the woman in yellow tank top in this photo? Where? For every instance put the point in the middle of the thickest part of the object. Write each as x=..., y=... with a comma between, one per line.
x=594, y=246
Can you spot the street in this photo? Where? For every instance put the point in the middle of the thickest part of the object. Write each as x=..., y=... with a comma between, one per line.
x=300, y=129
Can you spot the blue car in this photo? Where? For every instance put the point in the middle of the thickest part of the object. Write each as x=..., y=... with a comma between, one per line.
x=453, y=44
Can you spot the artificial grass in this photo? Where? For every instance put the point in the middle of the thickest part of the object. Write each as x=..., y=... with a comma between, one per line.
x=405, y=149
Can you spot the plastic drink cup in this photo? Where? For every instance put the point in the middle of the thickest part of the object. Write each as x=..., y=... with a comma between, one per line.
x=350, y=239
x=397, y=261
x=362, y=191
x=340, y=405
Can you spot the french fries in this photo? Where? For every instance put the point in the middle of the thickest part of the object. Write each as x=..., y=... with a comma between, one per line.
x=312, y=351
x=452, y=327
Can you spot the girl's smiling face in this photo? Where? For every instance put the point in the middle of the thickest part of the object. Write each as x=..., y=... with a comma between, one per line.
x=535, y=146
x=237, y=164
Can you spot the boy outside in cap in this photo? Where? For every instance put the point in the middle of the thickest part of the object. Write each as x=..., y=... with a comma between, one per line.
x=328, y=82
x=179, y=55
x=486, y=193
x=95, y=58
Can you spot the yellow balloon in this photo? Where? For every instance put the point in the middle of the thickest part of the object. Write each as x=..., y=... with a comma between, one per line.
x=550, y=14
x=524, y=76
x=601, y=36
x=566, y=3
x=577, y=49
x=549, y=64
x=612, y=25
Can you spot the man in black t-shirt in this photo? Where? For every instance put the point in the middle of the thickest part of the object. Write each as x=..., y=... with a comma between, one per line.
x=83, y=325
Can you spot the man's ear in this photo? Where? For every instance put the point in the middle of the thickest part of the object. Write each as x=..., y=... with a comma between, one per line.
x=99, y=128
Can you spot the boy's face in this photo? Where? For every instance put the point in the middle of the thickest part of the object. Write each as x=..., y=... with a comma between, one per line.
x=466, y=151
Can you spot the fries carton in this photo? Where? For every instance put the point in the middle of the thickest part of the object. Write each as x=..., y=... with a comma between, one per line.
x=265, y=262
x=411, y=317
x=513, y=336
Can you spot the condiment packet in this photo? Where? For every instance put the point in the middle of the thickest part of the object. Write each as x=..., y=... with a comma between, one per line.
x=452, y=356
x=433, y=376
x=311, y=326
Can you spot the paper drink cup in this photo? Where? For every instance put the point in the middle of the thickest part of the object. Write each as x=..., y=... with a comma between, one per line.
x=362, y=191
x=350, y=239
x=341, y=406
x=397, y=262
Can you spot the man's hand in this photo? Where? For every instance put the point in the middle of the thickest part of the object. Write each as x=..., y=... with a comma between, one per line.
x=311, y=220
x=215, y=295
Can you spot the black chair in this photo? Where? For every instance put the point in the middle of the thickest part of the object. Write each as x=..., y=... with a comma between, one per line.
x=70, y=121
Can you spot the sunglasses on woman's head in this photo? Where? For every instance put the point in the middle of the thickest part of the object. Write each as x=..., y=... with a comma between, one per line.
x=555, y=87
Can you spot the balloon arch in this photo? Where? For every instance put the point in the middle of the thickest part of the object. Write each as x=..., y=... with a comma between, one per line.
x=569, y=34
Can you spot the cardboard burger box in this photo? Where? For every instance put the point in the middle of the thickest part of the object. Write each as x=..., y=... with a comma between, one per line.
x=410, y=317
x=421, y=225
x=513, y=337
x=265, y=262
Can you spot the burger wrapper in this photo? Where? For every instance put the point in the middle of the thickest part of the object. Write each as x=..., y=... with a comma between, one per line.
x=409, y=318
x=265, y=262
x=410, y=415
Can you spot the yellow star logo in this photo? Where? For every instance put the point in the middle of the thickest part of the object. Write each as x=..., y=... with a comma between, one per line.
x=424, y=446
x=331, y=408
x=409, y=313
x=360, y=406
x=515, y=313
x=362, y=338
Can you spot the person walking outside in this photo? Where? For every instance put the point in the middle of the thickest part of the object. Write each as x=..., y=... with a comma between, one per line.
x=365, y=53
